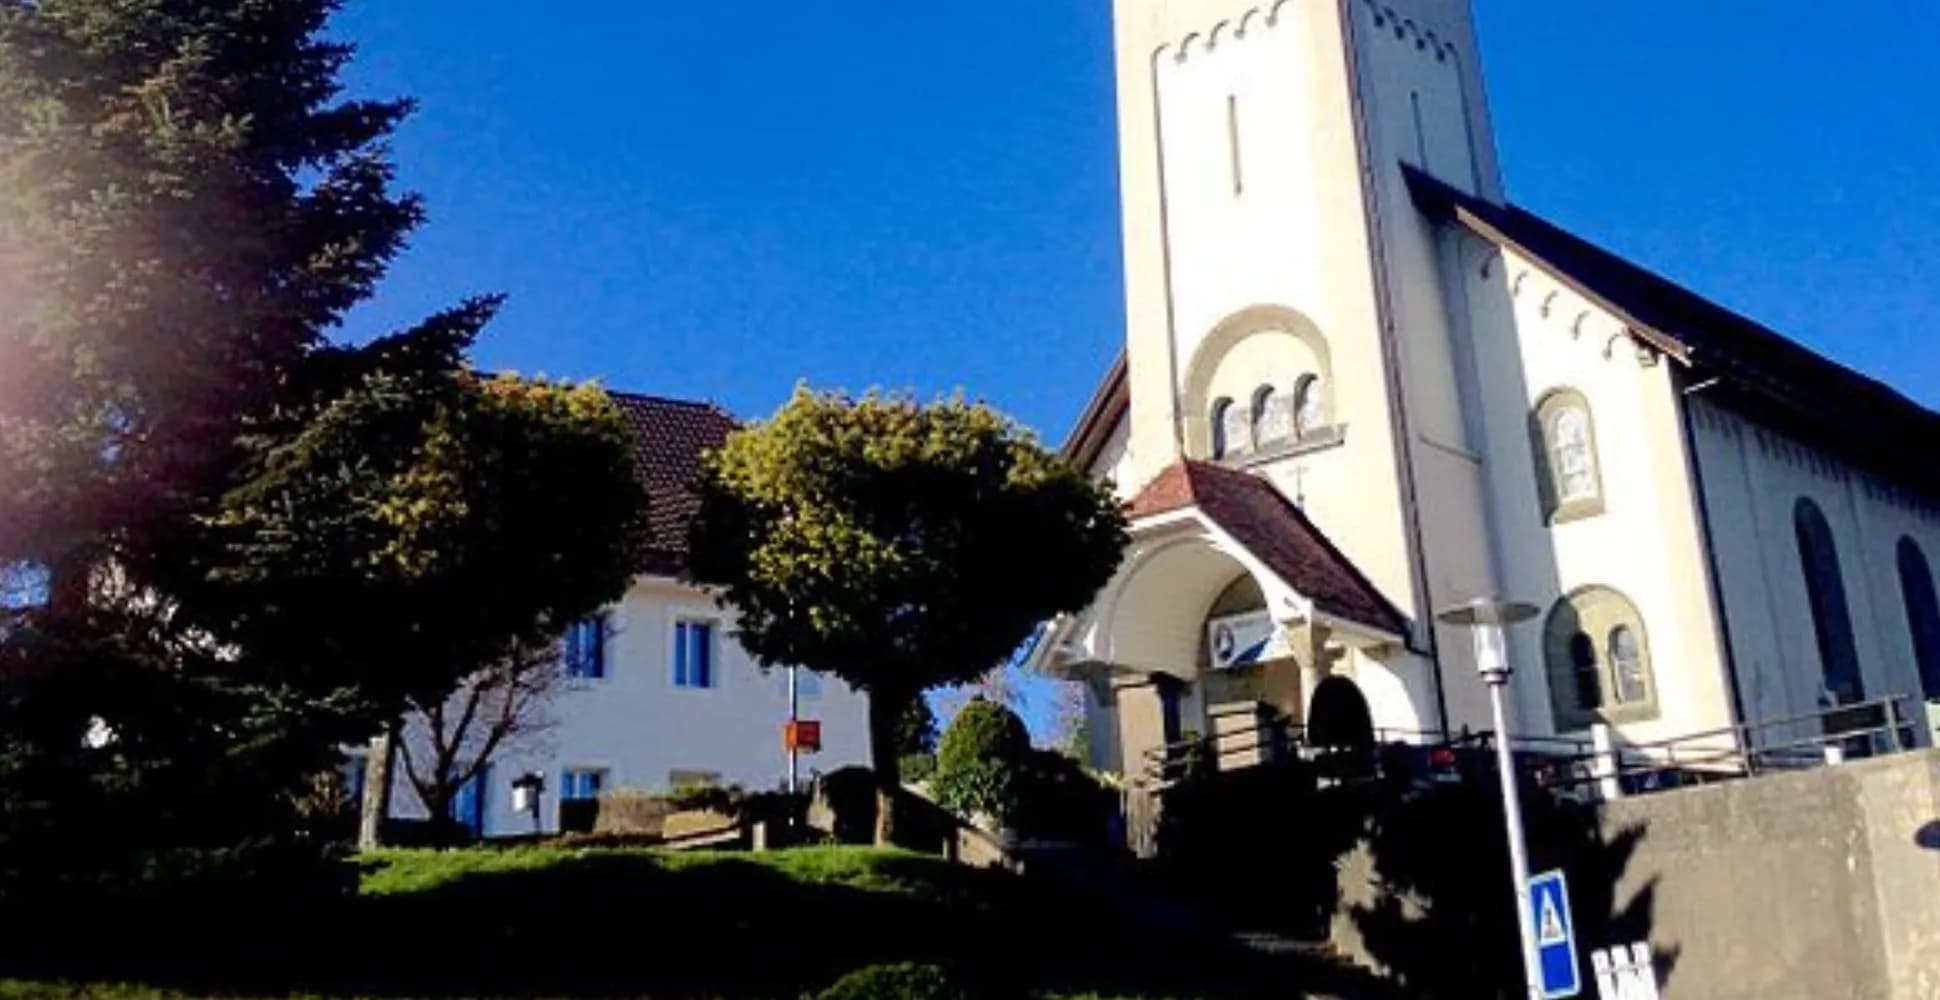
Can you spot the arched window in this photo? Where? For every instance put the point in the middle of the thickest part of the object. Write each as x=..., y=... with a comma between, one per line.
x=1566, y=458
x=1825, y=589
x=1627, y=665
x=1598, y=660
x=1235, y=428
x=1922, y=614
x=1222, y=411
x=1309, y=406
x=1272, y=419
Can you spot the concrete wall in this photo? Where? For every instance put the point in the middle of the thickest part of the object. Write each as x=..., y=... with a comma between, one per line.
x=639, y=727
x=1817, y=885
x=1812, y=886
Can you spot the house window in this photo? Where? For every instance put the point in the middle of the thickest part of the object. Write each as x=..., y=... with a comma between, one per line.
x=694, y=654
x=1309, y=407
x=1922, y=614
x=1566, y=460
x=584, y=652
x=1272, y=417
x=468, y=806
x=1598, y=660
x=581, y=784
x=1825, y=590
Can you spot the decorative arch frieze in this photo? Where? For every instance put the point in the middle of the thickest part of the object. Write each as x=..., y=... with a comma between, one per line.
x=1405, y=29
x=1261, y=320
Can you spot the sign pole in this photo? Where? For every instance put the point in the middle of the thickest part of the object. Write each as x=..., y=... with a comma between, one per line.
x=794, y=715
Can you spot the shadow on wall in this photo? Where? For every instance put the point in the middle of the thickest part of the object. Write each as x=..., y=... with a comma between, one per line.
x=1442, y=912
x=1411, y=877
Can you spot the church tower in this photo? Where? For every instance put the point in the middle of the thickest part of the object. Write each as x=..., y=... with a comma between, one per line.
x=1283, y=294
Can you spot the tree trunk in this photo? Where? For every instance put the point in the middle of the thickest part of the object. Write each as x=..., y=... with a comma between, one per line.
x=380, y=770
x=885, y=712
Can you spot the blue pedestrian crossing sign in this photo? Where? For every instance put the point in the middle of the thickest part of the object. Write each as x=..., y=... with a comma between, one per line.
x=1555, y=936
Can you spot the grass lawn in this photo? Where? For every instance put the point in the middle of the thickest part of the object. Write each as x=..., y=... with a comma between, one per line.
x=536, y=922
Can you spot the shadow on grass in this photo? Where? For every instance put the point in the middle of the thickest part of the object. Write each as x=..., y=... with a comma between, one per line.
x=635, y=924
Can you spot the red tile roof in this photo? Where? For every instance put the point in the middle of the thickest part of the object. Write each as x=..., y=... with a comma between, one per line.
x=1258, y=516
x=669, y=438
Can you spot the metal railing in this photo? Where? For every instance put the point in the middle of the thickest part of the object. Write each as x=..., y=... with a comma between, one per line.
x=1747, y=750
x=1603, y=768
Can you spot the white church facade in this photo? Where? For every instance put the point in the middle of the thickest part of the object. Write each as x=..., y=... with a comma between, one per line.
x=1359, y=385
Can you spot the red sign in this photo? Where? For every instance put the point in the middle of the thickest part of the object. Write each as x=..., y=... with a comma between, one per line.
x=804, y=735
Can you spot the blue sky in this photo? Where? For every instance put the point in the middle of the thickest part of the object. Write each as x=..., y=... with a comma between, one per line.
x=717, y=199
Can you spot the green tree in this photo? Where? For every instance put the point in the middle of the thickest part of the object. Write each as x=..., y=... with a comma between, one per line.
x=897, y=545
x=981, y=760
x=250, y=544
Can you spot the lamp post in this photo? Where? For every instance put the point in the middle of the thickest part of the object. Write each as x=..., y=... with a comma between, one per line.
x=1486, y=619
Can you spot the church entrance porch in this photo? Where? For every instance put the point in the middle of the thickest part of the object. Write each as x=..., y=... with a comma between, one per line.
x=1229, y=621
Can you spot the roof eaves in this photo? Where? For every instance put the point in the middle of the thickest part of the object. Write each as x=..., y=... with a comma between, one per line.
x=1447, y=201
x=1108, y=403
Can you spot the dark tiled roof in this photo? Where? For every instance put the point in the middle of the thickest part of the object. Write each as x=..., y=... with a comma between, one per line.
x=1774, y=376
x=669, y=438
x=1259, y=517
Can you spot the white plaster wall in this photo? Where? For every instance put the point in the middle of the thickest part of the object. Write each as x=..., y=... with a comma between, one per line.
x=1114, y=462
x=638, y=726
x=1330, y=99
x=1533, y=335
x=1754, y=476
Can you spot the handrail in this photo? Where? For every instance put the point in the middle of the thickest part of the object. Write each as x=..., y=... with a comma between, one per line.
x=1728, y=751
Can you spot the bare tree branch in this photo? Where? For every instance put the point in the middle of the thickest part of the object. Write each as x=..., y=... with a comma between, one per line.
x=498, y=709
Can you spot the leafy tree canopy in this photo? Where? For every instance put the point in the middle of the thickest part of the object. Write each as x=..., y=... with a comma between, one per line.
x=898, y=545
x=244, y=543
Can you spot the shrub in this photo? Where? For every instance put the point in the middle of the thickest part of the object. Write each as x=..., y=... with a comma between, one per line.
x=980, y=760
x=901, y=981
x=1058, y=799
x=844, y=805
x=918, y=766
x=705, y=795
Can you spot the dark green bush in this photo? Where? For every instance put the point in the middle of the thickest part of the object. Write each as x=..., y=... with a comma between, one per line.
x=918, y=766
x=1057, y=799
x=848, y=795
x=902, y=981
x=980, y=761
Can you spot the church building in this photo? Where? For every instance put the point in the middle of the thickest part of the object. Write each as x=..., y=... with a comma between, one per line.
x=1359, y=385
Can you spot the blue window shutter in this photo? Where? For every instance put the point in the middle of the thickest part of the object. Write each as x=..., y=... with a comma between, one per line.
x=597, y=628
x=680, y=654
x=704, y=654
x=575, y=651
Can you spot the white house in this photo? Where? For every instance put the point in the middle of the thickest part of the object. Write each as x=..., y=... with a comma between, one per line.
x=1360, y=385
x=656, y=692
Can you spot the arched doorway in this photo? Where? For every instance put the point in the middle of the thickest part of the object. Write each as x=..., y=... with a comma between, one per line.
x=1339, y=716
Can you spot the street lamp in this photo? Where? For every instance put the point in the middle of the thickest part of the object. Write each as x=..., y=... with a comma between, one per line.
x=1486, y=620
